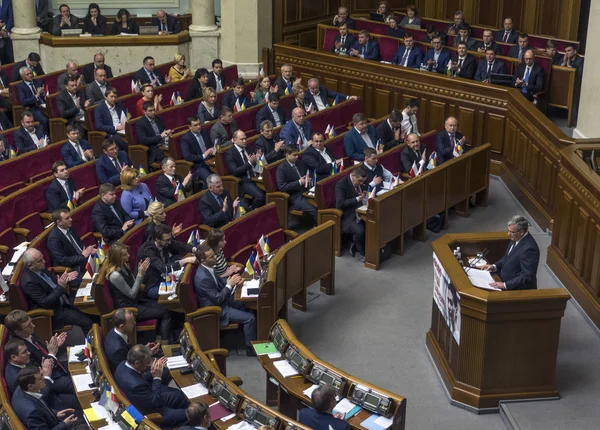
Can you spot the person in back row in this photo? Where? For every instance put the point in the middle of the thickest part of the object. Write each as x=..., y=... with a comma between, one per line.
x=321, y=418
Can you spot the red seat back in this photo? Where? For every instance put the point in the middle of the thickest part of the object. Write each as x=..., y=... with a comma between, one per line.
x=248, y=229
x=103, y=297
x=187, y=295
x=330, y=34
x=186, y=212
x=16, y=298
x=325, y=190
x=387, y=47
x=391, y=159
x=134, y=241
x=338, y=115
x=276, y=239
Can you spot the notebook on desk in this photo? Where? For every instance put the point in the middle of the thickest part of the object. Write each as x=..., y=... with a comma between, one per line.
x=146, y=30
x=71, y=32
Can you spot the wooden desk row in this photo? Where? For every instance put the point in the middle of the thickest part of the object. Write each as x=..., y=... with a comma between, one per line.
x=287, y=393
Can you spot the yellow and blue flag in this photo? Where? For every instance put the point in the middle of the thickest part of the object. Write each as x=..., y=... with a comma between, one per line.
x=141, y=170
x=250, y=264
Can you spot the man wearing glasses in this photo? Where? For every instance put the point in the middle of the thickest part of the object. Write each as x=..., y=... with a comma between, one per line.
x=518, y=267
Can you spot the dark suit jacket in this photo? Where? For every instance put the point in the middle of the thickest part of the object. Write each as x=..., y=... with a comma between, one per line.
x=173, y=25
x=290, y=134
x=217, y=132
x=354, y=145
x=513, y=37
x=93, y=92
x=415, y=57
x=70, y=156
x=536, y=78
x=57, y=26
x=99, y=28
x=88, y=72
x=408, y=157
x=34, y=414
x=107, y=223
x=316, y=163
x=443, y=148
x=149, y=138
x=230, y=98
x=265, y=113
x=6, y=15
x=37, y=355
x=345, y=199
x=518, y=270
x=471, y=42
x=17, y=77
x=387, y=135
x=349, y=22
x=268, y=149
x=106, y=170
x=325, y=96
x=481, y=44
x=40, y=294
x=142, y=77
x=165, y=191
x=104, y=121
x=236, y=164
x=348, y=43
x=66, y=105
x=26, y=96
x=194, y=91
x=481, y=74
x=132, y=27
x=159, y=260
x=468, y=68
x=192, y=152
x=212, y=212
x=442, y=63
x=11, y=377
x=211, y=293
x=282, y=85
x=370, y=51
x=288, y=179
x=212, y=80
x=514, y=51
x=319, y=421
x=23, y=139
x=56, y=196
x=116, y=349
x=63, y=252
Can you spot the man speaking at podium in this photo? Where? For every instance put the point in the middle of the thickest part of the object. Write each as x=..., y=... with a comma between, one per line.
x=518, y=267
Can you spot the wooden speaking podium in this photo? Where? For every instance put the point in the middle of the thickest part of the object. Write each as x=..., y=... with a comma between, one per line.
x=490, y=346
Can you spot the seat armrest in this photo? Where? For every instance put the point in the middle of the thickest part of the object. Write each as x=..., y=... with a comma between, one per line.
x=236, y=380
x=205, y=310
x=40, y=313
x=290, y=234
x=217, y=351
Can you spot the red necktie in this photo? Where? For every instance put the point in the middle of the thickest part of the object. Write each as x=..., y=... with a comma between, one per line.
x=175, y=186
x=506, y=33
x=452, y=141
x=45, y=352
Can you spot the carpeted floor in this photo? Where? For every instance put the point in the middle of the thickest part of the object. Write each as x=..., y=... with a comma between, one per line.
x=375, y=325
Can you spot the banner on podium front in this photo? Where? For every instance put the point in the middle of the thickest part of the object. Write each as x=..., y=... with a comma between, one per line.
x=447, y=298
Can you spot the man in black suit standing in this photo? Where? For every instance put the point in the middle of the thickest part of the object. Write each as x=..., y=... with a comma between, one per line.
x=319, y=158
x=89, y=69
x=62, y=189
x=464, y=64
x=271, y=112
x=65, y=246
x=350, y=194
x=71, y=103
x=508, y=34
x=445, y=141
x=171, y=188
x=518, y=50
x=292, y=178
x=215, y=78
x=152, y=132
x=272, y=150
x=216, y=206
x=344, y=41
x=109, y=217
x=414, y=153
x=487, y=42
x=29, y=137
x=166, y=23
x=149, y=75
x=44, y=290
x=518, y=267
x=242, y=165
x=32, y=62
x=529, y=76
x=389, y=132
x=196, y=147
x=489, y=66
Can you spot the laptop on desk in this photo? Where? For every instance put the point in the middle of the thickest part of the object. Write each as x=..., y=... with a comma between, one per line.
x=147, y=30
x=374, y=16
x=71, y=32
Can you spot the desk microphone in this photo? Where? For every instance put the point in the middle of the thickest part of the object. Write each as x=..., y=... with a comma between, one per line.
x=478, y=259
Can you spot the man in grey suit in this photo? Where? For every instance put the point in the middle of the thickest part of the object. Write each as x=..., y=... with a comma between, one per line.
x=224, y=128
x=65, y=20
x=96, y=90
x=41, y=11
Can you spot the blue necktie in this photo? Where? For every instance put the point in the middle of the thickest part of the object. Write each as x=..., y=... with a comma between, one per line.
x=526, y=79
x=50, y=282
x=201, y=142
x=69, y=192
x=520, y=53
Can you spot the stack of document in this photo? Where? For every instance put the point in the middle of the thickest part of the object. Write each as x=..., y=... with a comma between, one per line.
x=176, y=362
x=285, y=368
x=480, y=278
x=346, y=408
x=73, y=351
x=250, y=285
x=84, y=291
x=83, y=382
x=376, y=422
x=309, y=390
x=193, y=391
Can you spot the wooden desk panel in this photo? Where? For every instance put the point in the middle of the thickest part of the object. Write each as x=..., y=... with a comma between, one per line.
x=77, y=41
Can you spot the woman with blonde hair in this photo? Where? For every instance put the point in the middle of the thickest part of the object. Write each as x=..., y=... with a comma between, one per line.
x=136, y=195
x=148, y=96
x=125, y=289
x=298, y=90
x=179, y=70
x=208, y=109
x=158, y=215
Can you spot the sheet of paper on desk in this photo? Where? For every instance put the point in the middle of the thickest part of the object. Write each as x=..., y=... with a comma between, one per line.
x=477, y=261
x=274, y=355
x=382, y=192
x=243, y=425
x=176, y=362
x=84, y=291
x=376, y=422
x=347, y=408
x=100, y=411
x=83, y=382
x=284, y=368
x=479, y=283
x=484, y=275
x=309, y=390
x=73, y=351
x=363, y=208
x=227, y=417
x=111, y=426
x=193, y=391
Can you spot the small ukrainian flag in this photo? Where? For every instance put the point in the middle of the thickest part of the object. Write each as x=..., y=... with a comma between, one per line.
x=141, y=171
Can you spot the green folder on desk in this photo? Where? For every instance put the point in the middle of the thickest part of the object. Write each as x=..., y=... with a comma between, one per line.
x=265, y=348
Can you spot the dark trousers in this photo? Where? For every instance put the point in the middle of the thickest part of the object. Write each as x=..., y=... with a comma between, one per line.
x=357, y=230
x=120, y=142
x=68, y=316
x=6, y=51
x=6, y=104
x=201, y=172
x=301, y=204
x=149, y=310
x=41, y=117
x=238, y=313
x=258, y=195
x=174, y=410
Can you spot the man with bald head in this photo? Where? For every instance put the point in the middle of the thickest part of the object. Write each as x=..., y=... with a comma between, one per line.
x=167, y=24
x=96, y=91
x=343, y=17
x=320, y=96
x=72, y=72
x=446, y=140
x=413, y=153
x=242, y=164
x=529, y=77
x=89, y=69
x=44, y=290
x=297, y=131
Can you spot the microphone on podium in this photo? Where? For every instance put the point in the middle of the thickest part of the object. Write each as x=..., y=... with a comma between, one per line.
x=480, y=256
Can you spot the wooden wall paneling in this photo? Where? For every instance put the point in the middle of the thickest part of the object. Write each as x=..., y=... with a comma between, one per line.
x=547, y=180
x=595, y=265
x=449, y=7
x=312, y=9
x=358, y=90
x=487, y=13
x=477, y=137
x=466, y=122
x=547, y=16
x=307, y=38
x=563, y=213
x=494, y=132
x=383, y=99
x=572, y=241
x=513, y=9
x=583, y=224
x=436, y=115
x=528, y=16
x=588, y=255
x=520, y=152
x=332, y=84
x=509, y=142
x=533, y=162
x=290, y=14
